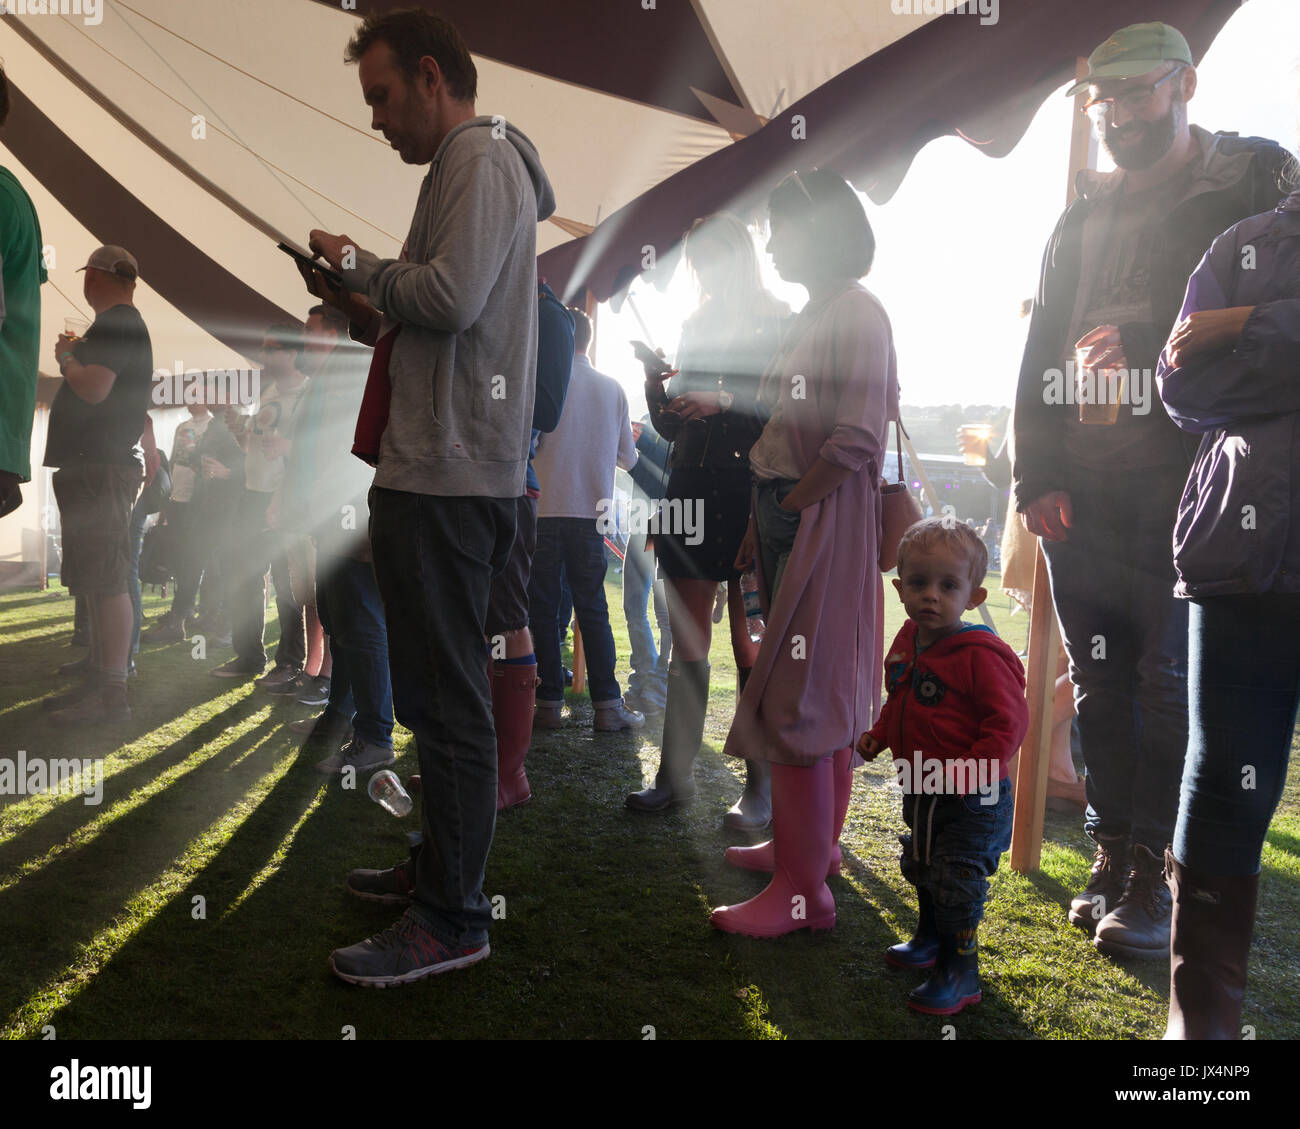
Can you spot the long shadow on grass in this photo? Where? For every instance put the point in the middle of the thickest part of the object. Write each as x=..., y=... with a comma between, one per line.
x=51, y=914
x=61, y=821
x=229, y=972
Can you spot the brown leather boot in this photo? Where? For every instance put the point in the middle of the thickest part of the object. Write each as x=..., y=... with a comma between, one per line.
x=1210, y=942
x=1110, y=866
x=1139, y=925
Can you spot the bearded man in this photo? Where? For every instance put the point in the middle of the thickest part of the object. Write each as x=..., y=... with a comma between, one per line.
x=1100, y=484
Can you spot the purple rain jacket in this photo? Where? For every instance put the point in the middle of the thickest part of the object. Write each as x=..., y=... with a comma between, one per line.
x=1238, y=526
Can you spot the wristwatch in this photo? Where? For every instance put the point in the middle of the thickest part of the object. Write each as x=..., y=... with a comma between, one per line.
x=63, y=360
x=725, y=399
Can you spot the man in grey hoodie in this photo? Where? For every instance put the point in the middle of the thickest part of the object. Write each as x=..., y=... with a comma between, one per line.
x=456, y=317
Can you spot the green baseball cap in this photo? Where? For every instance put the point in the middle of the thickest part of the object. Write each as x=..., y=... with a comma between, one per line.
x=1132, y=51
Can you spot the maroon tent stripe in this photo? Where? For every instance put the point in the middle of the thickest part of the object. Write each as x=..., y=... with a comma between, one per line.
x=953, y=75
x=653, y=56
x=201, y=288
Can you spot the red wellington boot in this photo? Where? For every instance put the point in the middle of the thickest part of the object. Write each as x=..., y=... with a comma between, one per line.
x=514, y=692
x=803, y=803
x=759, y=856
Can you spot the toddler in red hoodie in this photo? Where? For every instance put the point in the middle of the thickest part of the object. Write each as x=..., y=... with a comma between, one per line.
x=955, y=716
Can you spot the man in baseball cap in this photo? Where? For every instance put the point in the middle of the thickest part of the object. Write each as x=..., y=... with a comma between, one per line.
x=113, y=260
x=93, y=436
x=1101, y=489
x=1133, y=51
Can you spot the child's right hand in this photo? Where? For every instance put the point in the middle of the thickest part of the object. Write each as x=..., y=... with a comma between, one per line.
x=869, y=748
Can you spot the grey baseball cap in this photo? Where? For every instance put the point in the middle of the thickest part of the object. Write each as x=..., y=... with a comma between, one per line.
x=114, y=260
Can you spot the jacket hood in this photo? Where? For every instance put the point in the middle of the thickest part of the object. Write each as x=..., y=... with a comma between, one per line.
x=526, y=150
x=968, y=635
x=1223, y=161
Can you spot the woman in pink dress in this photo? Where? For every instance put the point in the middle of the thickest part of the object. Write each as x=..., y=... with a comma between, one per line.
x=813, y=538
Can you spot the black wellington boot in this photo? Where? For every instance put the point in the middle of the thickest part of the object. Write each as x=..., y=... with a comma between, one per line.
x=688, y=702
x=922, y=950
x=955, y=981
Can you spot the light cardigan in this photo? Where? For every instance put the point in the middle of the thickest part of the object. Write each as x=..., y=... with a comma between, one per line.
x=815, y=686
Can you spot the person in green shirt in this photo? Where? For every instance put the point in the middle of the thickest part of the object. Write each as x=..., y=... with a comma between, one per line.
x=22, y=270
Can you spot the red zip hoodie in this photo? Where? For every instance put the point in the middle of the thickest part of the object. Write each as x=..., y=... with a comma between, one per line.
x=961, y=698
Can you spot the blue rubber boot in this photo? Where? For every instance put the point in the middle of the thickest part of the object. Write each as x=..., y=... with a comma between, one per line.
x=955, y=981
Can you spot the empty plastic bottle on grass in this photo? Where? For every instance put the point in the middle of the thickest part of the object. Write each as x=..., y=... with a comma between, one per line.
x=753, y=610
x=387, y=791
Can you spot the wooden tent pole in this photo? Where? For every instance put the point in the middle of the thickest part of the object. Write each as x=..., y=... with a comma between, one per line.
x=1044, y=634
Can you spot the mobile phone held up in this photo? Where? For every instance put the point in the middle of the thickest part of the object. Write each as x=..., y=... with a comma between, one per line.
x=333, y=277
x=655, y=366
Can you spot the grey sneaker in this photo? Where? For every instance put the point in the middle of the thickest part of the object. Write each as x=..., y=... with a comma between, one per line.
x=166, y=631
x=390, y=887
x=359, y=754
x=401, y=954
x=613, y=716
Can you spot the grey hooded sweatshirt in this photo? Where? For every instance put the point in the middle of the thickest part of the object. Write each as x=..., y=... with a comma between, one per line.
x=464, y=293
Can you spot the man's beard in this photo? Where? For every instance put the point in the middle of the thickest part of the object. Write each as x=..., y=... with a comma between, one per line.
x=1146, y=142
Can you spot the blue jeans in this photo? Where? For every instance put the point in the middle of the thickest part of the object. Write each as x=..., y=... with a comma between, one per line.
x=1244, y=687
x=575, y=544
x=352, y=614
x=1126, y=636
x=649, y=678
x=952, y=851
x=138, y=519
x=434, y=560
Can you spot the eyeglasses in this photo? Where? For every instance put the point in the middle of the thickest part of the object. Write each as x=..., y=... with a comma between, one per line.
x=1135, y=101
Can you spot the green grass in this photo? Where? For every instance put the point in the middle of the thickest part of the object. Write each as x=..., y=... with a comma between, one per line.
x=606, y=929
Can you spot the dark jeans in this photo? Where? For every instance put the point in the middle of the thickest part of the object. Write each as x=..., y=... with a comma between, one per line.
x=1244, y=686
x=192, y=543
x=434, y=560
x=138, y=519
x=575, y=544
x=952, y=851
x=251, y=549
x=1126, y=636
x=649, y=678
x=352, y=614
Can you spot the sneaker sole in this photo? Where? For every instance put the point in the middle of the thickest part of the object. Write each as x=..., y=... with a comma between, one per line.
x=380, y=899
x=1112, y=949
x=415, y=974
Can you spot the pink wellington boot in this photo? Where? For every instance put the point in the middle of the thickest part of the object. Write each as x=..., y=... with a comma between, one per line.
x=759, y=856
x=803, y=802
x=514, y=692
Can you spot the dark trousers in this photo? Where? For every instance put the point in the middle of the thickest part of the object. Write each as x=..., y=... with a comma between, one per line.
x=574, y=544
x=352, y=614
x=1244, y=687
x=1126, y=636
x=193, y=543
x=252, y=549
x=953, y=849
x=434, y=560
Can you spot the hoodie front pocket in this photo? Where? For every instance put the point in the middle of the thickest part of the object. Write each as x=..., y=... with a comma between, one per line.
x=440, y=393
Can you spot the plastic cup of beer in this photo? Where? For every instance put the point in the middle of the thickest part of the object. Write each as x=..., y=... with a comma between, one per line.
x=75, y=327
x=980, y=433
x=1098, y=391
